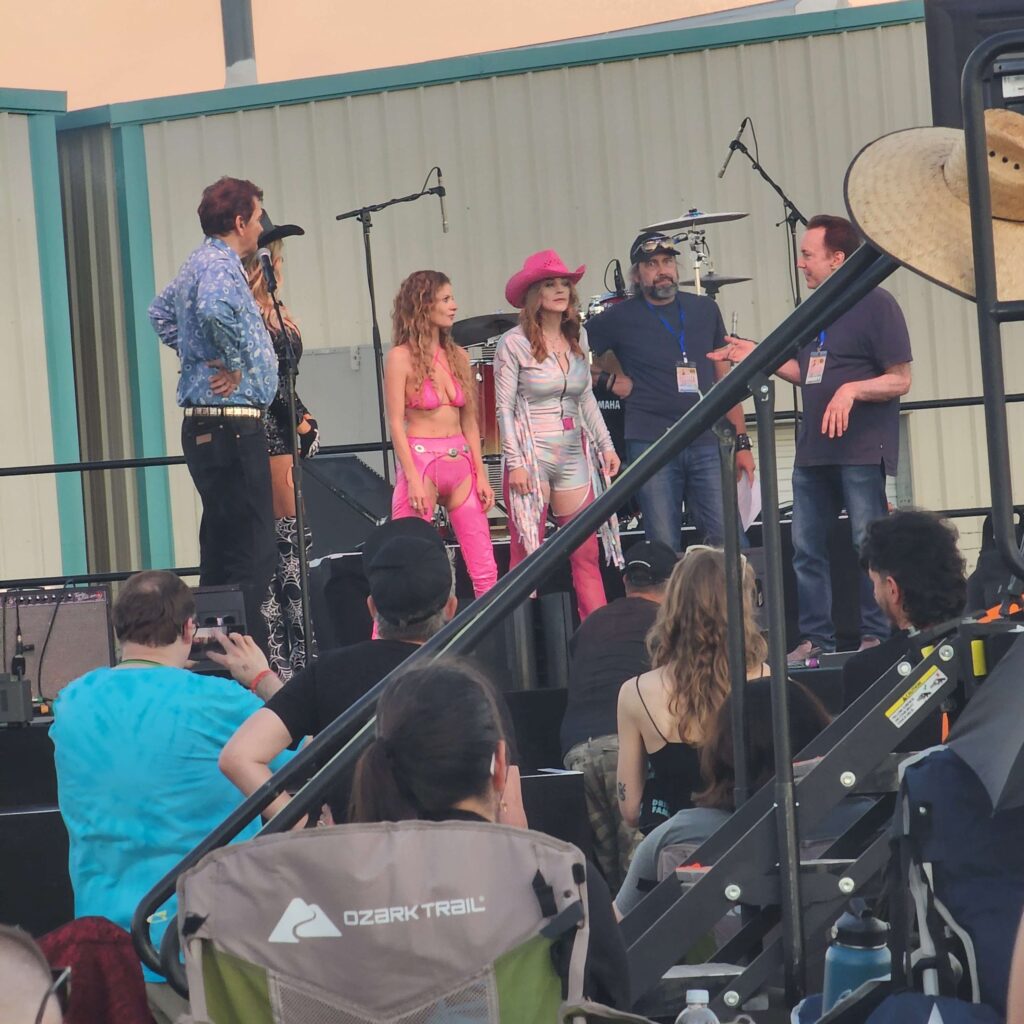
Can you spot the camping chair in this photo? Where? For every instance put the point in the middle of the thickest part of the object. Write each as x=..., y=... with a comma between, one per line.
x=960, y=866
x=956, y=892
x=432, y=923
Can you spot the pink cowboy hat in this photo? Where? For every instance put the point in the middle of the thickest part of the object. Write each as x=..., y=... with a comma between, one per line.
x=539, y=267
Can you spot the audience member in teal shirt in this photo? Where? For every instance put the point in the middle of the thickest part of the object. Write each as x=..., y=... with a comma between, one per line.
x=136, y=749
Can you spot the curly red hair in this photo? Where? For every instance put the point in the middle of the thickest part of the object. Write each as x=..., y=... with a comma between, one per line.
x=411, y=325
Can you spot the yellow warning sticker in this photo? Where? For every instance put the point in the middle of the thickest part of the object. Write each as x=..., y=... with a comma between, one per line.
x=903, y=710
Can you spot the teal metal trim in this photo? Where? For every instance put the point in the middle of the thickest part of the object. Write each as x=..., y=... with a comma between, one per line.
x=502, y=62
x=33, y=101
x=60, y=365
x=136, y=247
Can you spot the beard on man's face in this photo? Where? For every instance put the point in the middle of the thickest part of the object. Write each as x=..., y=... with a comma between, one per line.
x=662, y=288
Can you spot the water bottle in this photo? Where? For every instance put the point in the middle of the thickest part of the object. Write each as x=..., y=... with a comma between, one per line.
x=858, y=953
x=697, y=1011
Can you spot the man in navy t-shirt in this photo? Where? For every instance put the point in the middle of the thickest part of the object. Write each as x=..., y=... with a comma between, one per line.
x=662, y=338
x=852, y=376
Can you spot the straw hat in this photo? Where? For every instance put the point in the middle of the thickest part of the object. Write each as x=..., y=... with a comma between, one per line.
x=907, y=193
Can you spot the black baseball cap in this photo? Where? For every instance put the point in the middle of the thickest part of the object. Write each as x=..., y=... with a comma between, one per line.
x=649, y=562
x=407, y=567
x=648, y=244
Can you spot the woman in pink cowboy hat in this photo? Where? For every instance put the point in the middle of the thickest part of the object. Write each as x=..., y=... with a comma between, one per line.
x=556, y=446
x=431, y=412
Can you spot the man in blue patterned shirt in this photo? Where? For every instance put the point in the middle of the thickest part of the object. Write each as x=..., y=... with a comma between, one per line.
x=228, y=377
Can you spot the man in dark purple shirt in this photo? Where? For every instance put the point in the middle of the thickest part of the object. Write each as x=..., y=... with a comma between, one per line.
x=852, y=376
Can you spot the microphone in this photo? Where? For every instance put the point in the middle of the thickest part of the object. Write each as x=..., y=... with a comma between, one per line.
x=441, y=193
x=732, y=146
x=620, y=281
x=267, y=265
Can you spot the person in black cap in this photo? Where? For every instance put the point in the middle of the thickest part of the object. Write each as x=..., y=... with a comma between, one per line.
x=662, y=336
x=411, y=599
x=282, y=607
x=608, y=648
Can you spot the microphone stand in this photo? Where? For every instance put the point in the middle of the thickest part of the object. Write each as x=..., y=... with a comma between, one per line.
x=792, y=218
x=362, y=214
x=300, y=514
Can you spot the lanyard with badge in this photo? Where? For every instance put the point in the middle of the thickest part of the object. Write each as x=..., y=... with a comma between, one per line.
x=686, y=372
x=816, y=363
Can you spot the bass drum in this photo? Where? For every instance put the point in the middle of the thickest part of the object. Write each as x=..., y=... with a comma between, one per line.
x=599, y=303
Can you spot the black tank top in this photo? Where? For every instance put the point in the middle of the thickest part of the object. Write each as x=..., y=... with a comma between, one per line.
x=673, y=774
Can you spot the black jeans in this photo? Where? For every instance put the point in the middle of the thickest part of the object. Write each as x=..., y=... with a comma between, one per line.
x=228, y=461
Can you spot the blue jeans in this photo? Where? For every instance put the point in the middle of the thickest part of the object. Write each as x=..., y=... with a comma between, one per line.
x=694, y=475
x=819, y=495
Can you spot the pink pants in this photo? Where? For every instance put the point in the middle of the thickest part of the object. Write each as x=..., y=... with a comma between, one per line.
x=583, y=562
x=447, y=462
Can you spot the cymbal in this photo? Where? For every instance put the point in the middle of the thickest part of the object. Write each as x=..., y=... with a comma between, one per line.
x=478, y=330
x=710, y=281
x=693, y=219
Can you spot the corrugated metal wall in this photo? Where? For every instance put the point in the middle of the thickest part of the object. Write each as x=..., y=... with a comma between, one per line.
x=30, y=539
x=95, y=292
x=578, y=159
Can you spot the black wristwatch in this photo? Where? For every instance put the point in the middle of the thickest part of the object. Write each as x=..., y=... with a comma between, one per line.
x=743, y=443
x=602, y=380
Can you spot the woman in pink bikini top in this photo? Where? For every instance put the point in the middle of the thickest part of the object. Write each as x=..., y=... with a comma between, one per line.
x=432, y=417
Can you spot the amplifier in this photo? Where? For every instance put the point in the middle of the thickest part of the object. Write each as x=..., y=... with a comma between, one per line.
x=66, y=633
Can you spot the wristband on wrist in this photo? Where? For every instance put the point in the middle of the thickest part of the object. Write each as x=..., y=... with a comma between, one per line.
x=611, y=382
x=602, y=380
x=743, y=443
x=259, y=678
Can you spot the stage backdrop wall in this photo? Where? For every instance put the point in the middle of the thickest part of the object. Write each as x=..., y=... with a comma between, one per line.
x=42, y=515
x=572, y=146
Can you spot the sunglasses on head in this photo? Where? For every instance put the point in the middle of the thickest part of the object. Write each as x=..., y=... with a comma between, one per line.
x=60, y=986
x=652, y=245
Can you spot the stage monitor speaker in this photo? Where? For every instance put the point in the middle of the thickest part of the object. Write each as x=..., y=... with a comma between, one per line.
x=68, y=631
x=36, y=891
x=344, y=500
x=953, y=28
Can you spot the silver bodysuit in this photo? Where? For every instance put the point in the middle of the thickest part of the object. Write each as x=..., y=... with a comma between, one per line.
x=559, y=405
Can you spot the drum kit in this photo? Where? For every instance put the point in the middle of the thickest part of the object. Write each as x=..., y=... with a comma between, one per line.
x=479, y=334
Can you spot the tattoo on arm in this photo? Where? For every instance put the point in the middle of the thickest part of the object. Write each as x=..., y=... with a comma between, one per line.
x=622, y=792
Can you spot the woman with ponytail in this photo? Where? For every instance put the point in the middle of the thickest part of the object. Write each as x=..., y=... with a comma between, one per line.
x=441, y=754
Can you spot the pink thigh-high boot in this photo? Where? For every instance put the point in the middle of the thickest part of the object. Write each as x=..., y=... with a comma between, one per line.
x=473, y=532
x=586, y=569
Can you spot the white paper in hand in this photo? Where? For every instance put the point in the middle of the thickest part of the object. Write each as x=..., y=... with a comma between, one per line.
x=748, y=496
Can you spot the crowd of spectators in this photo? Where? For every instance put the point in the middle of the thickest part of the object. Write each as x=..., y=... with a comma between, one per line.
x=151, y=756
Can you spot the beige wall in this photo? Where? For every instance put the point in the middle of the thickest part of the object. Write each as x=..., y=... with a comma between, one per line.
x=30, y=539
x=109, y=51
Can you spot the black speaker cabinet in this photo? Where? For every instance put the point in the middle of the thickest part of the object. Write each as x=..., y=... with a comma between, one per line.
x=344, y=501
